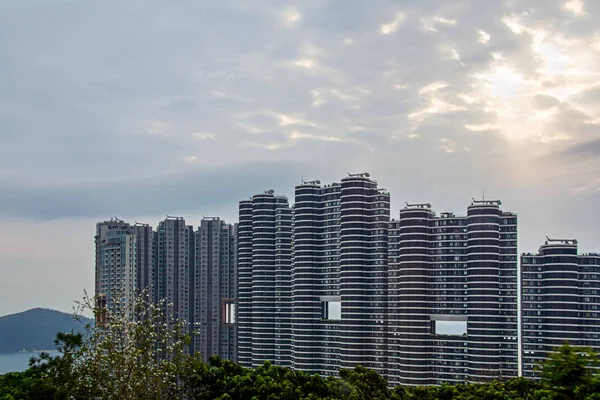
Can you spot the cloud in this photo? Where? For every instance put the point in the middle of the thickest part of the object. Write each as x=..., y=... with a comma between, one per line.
x=203, y=135
x=582, y=151
x=575, y=7
x=147, y=108
x=183, y=192
x=433, y=87
x=593, y=186
x=391, y=27
x=484, y=37
x=482, y=127
x=291, y=16
x=431, y=24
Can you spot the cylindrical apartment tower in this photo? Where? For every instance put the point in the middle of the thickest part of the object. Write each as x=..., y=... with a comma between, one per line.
x=408, y=277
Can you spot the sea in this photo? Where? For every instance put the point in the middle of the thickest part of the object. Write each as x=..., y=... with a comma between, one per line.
x=17, y=362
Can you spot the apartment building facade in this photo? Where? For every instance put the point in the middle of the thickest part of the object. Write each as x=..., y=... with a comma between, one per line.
x=215, y=289
x=174, y=267
x=560, y=292
x=452, y=295
x=193, y=272
x=264, y=273
x=116, y=275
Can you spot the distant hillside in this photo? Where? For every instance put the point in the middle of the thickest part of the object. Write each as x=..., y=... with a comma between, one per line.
x=34, y=329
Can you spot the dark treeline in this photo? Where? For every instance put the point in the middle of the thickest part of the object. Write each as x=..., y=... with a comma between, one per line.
x=567, y=374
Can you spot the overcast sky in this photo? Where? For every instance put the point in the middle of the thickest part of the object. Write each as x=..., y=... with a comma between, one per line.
x=141, y=108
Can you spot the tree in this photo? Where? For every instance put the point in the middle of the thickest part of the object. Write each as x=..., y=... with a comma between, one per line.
x=568, y=370
x=365, y=383
x=136, y=353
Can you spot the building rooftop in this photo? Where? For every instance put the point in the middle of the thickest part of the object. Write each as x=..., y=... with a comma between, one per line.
x=560, y=241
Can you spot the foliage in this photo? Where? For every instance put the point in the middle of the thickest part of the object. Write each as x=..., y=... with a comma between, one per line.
x=568, y=371
x=365, y=383
x=136, y=354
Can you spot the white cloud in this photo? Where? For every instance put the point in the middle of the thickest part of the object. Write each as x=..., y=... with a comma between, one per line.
x=306, y=63
x=575, y=7
x=435, y=106
x=451, y=53
x=296, y=135
x=484, y=37
x=482, y=127
x=433, y=87
x=203, y=135
x=392, y=27
x=291, y=16
x=430, y=24
x=266, y=146
x=513, y=22
x=286, y=119
x=447, y=145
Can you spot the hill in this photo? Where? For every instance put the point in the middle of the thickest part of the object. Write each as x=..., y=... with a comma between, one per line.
x=34, y=329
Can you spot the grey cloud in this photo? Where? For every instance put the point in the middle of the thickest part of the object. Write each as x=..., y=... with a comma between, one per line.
x=589, y=98
x=544, y=102
x=99, y=101
x=581, y=151
x=202, y=189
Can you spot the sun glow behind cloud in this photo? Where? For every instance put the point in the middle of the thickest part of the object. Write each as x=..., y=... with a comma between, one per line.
x=565, y=68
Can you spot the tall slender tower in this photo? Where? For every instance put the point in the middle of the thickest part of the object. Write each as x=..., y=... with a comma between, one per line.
x=339, y=280
x=364, y=222
x=263, y=286
x=492, y=291
x=144, y=244
x=244, y=263
x=214, y=290
x=410, y=267
x=316, y=278
x=116, y=276
x=283, y=282
x=174, y=265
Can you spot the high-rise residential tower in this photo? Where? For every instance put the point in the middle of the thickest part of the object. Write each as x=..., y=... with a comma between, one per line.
x=194, y=272
x=174, y=266
x=453, y=295
x=339, y=262
x=264, y=271
x=144, y=246
x=560, y=301
x=364, y=219
x=316, y=299
x=215, y=290
x=116, y=276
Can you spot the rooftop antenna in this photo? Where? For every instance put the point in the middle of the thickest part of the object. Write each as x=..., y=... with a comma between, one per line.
x=483, y=195
x=301, y=177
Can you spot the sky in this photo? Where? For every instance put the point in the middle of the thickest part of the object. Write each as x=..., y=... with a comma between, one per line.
x=142, y=108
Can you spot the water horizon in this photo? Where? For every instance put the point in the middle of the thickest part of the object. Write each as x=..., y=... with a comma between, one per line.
x=19, y=362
